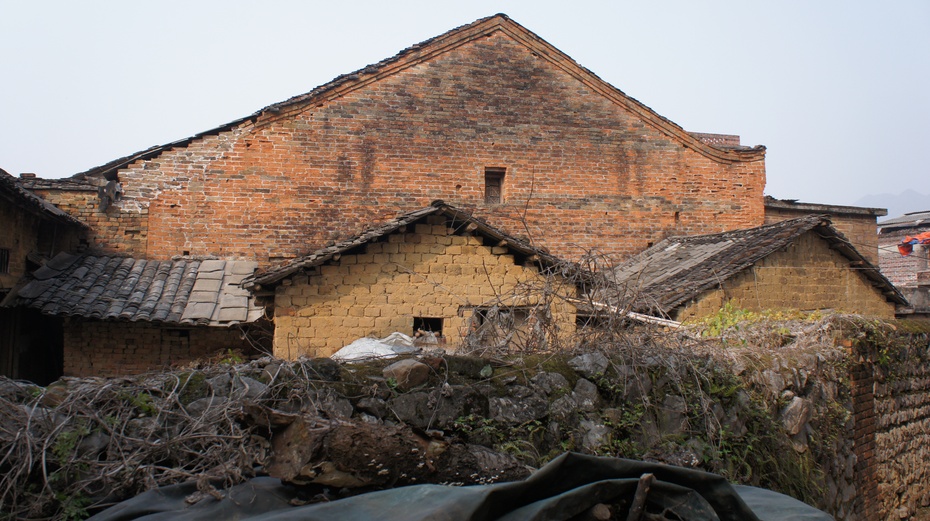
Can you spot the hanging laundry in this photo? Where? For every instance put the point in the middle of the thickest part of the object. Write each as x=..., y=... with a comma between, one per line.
x=906, y=246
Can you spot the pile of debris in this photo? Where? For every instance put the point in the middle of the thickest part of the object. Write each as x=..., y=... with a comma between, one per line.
x=83, y=444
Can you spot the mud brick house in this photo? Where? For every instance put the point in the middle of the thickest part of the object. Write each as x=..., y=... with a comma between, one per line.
x=435, y=269
x=488, y=117
x=31, y=231
x=800, y=263
x=910, y=273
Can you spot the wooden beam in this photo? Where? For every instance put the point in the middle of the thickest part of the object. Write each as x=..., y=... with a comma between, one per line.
x=639, y=317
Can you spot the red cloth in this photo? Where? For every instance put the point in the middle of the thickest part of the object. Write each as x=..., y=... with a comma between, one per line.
x=906, y=246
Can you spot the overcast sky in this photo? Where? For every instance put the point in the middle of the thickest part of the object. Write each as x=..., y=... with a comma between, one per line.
x=838, y=91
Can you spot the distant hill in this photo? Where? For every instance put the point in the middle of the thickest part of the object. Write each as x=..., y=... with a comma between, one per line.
x=897, y=205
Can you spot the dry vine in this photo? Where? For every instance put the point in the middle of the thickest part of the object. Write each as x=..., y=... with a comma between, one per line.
x=85, y=443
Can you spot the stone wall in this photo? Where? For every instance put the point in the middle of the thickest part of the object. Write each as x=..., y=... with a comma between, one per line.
x=833, y=412
x=428, y=273
x=902, y=426
x=582, y=165
x=97, y=348
x=826, y=281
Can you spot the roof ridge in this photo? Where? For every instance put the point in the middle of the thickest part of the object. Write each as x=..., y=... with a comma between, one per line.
x=439, y=44
x=322, y=255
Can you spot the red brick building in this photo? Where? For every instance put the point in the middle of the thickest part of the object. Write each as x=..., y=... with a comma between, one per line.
x=488, y=117
x=910, y=273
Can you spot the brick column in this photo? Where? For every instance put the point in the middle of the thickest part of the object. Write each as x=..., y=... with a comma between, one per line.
x=865, y=504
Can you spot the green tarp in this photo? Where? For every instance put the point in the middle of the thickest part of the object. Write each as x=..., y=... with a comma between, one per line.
x=563, y=489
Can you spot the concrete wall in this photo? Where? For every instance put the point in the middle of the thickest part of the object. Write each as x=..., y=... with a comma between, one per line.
x=98, y=348
x=426, y=272
x=585, y=171
x=806, y=276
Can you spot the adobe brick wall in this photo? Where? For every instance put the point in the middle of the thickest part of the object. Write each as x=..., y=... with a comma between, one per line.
x=825, y=281
x=586, y=172
x=860, y=230
x=99, y=348
x=426, y=272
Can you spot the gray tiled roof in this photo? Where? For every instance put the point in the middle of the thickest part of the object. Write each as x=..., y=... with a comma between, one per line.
x=190, y=292
x=458, y=219
x=678, y=269
x=908, y=220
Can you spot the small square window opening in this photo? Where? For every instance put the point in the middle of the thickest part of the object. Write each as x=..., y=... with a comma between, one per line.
x=427, y=330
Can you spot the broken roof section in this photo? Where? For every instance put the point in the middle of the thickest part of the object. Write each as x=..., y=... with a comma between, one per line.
x=12, y=189
x=458, y=220
x=183, y=292
x=430, y=48
x=678, y=269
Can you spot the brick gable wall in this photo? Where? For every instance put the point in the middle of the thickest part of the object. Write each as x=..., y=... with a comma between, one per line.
x=586, y=173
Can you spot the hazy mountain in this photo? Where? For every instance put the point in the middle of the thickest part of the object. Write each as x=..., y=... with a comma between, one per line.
x=897, y=205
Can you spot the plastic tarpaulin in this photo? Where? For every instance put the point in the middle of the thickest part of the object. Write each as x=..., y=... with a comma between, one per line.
x=563, y=489
x=906, y=246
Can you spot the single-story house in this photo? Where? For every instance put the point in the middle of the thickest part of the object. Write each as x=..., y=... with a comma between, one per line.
x=32, y=230
x=801, y=264
x=119, y=315
x=436, y=271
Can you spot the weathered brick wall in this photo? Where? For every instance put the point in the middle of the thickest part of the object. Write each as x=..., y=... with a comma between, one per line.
x=901, y=270
x=865, y=504
x=121, y=230
x=19, y=234
x=586, y=172
x=23, y=232
x=859, y=229
x=426, y=273
x=98, y=348
x=825, y=281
